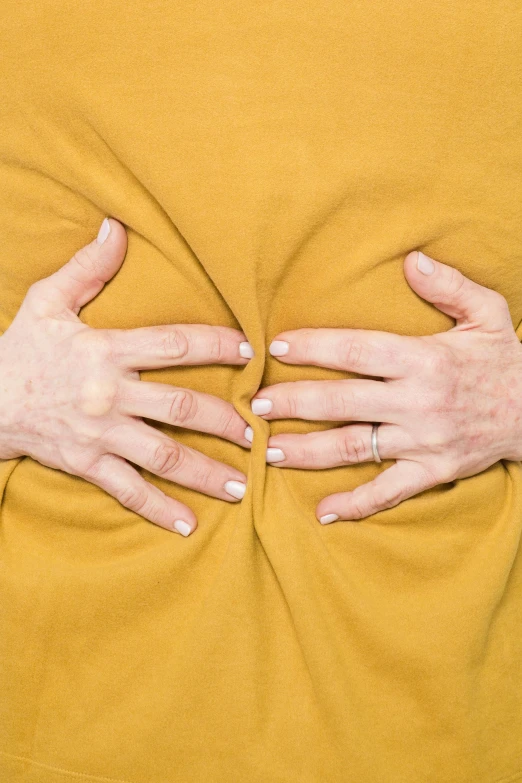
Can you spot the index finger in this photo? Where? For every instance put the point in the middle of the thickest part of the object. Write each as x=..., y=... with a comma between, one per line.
x=154, y=347
x=364, y=351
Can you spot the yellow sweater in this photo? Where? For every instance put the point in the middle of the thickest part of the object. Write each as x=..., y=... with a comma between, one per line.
x=274, y=162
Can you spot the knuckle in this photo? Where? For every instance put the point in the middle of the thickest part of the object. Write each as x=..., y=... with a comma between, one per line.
x=79, y=464
x=89, y=471
x=87, y=258
x=443, y=473
x=389, y=496
x=456, y=283
x=217, y=346
x=307, y=344
x=352, y=353
x=167, y=458
x=39, y=296
x=183, y=407
x=500, y=302
x=291, y=405
x=350, y=448
x=497, y=297
x=93, y=344
x=440, y=393
x=98, y=395
x=108, y=435
x=133, y=497
x=36, y=289
x=306, y=452
x=203, y=475
x=175, y=343
x=359, y=511
x=88, y=433
x=338, y=406
x=438, y=359
x=225, y=421
x=437, y=440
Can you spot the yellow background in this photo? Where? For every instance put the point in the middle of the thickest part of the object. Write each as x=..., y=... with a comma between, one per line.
x=273, y=162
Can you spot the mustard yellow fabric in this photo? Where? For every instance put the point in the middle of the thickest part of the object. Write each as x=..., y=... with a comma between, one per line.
x=274, y=162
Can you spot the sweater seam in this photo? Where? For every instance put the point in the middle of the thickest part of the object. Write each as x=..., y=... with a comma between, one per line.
x=101, y=779
x=71, y=772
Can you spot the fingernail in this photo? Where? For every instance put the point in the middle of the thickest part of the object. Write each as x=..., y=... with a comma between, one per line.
x=424, y=264
x=279, y=347
x=235, y=488
x=275, y=455
x=182, y=527
x=261, y=406
x=103, y=233
x=249, y=434
x=328, y=518
x=246, y=350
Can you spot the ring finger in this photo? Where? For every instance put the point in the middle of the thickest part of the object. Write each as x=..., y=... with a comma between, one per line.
x=338, y=446
x=165, y=457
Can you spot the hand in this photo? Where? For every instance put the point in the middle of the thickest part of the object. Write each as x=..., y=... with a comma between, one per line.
x=450, y=403
x=71, y=396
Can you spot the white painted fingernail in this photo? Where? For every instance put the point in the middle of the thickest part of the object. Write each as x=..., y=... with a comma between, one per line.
x=249, y=434
x=424, y=264
x=235, y=488
x=328, y=518
x=261, y=406
x=246, y=350
x=182, y=527
x=103, y=233
x=279, y=347
x=275, y=455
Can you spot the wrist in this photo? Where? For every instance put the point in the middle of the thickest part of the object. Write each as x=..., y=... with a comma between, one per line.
x=6, y=406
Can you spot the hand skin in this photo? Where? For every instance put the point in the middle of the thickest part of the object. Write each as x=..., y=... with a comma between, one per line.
x=71, y=396
x=450, y=403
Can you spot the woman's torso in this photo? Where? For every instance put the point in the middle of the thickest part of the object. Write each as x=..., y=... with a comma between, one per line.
x=273, y=164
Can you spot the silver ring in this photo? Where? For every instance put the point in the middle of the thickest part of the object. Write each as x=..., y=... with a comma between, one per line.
x=374, y=443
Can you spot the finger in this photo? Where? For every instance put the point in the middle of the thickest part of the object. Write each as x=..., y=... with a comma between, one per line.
x=153, y=347
x=351, y=400
x=402, y=480
x=472, y=305
x=124, y=483
x=333, y=448
x=84, y=275
x=143, y=445
x=364, y=351
x=183, y=408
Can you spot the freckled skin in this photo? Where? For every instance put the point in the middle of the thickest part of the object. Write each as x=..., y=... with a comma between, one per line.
x=63, y=401
x=71, y=396
x=452, y=405
x=455, y=407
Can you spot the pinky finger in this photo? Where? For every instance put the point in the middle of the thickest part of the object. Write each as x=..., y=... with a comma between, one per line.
x=404, y=479
x=123, y=482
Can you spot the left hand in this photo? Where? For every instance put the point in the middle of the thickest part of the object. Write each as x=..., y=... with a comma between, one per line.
x=450, y=404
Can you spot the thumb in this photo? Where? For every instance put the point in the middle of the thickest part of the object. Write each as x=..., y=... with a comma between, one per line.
x=84, y=275
x=472, y=305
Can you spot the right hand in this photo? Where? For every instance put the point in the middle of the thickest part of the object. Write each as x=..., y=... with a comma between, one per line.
x=71, y=396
